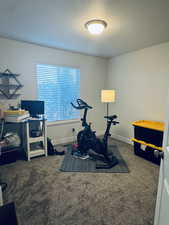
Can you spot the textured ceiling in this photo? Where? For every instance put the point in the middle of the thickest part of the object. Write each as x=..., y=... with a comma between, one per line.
x=132, y=24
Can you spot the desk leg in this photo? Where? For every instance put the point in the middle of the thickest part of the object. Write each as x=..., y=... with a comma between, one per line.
x=45, y=138
x=1, y=199
x=27, y=141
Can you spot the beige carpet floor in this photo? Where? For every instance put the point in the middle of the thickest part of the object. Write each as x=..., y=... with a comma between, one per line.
x=45, y=196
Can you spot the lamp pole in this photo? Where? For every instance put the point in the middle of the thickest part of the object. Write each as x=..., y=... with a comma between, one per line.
x=107, y=109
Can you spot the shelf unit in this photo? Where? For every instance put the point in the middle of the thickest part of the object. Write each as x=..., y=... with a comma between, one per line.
x=29, y=140
x=7, y=89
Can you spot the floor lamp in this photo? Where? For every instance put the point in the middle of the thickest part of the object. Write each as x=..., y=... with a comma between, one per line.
x=107, y=96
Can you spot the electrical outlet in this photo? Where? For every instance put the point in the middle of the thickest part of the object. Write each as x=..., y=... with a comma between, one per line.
x=73, y=130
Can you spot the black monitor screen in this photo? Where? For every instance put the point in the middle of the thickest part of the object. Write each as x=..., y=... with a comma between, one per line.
x=35, y=108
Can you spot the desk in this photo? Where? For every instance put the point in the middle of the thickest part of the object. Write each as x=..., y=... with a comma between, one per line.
x=22, y=128
x=14, y=127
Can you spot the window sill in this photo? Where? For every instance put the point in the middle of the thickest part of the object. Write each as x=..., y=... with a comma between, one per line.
x=62, y=122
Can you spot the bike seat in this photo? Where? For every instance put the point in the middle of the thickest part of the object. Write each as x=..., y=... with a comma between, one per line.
x=113, y=117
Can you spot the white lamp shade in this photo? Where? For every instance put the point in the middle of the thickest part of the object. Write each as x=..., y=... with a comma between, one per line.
x=108, y=95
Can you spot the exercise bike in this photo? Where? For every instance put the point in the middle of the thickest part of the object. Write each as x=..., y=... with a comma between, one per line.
x=89, y=144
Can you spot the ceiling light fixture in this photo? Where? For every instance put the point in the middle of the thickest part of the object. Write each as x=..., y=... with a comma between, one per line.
x=96, y=26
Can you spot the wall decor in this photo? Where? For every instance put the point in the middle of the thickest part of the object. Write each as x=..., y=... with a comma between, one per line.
x=9, y=85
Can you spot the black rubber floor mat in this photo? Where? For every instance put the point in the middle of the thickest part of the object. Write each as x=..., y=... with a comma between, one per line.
x=72, y=164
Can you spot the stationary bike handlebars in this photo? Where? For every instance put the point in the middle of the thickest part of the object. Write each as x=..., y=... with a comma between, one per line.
x=81, y=105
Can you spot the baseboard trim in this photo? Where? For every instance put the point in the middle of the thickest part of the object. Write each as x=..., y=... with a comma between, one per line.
x=99, y=133
x=58, y=141
x=121, y=138
x=65, y=140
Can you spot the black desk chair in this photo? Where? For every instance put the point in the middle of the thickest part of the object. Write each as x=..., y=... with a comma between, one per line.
x=8, y=214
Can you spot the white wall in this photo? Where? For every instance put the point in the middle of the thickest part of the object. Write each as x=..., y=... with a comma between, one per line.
x=22, y=58
x=141, y=79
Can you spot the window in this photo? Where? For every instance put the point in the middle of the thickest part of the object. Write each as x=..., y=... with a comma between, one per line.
x=58, y=86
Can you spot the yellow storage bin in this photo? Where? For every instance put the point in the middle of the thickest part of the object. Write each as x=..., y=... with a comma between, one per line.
x=150, y=132
x=148, y=136
x=154, y=125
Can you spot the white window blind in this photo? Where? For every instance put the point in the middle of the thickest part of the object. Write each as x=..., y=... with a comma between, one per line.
x=58, y=86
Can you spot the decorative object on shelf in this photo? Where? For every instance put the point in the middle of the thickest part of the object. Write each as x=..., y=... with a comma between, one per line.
x=107, y=96
x=9, y=85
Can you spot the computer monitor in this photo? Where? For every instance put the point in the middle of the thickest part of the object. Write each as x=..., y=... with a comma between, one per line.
x=34, y=107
